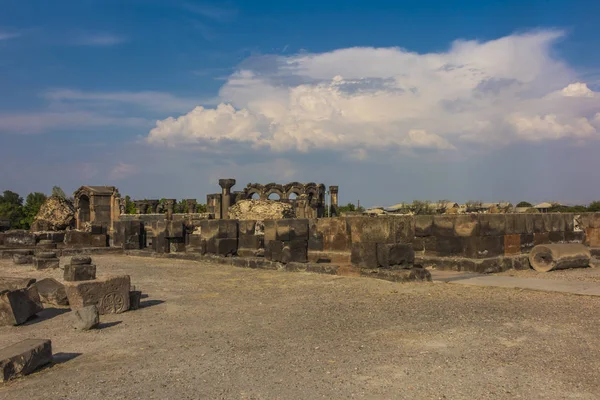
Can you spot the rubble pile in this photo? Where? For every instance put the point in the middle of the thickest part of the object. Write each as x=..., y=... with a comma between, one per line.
x=56, y=214
x=259, y=210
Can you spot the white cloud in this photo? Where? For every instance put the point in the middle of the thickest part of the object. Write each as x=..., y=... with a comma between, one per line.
x=38, y=122
x=9, y=35
x=122, y=170
x=366, y=99
x=100, y=39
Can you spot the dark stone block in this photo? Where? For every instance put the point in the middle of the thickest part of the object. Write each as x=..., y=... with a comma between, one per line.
x=81, y=260
x=251, y=241
x=81, y=272
x=135, y=297
x=426, y=244
x=17, y=306
x=492, y=224
x=24, y=357
x=364, y=255
x=541, y=238
x=295, y=251
x=521, y=262
x=270, y=229
x=539, y=225
x=13, y=283
x=244, y=252
x=99, y=240
x=395, y=256
x=556, y=237
x=226, y=247
x=211, y=245
x=273, y=250
x=78, y=239
x=98, y=229
x=557, y=222
x=449, y=246
x=483, y=246
x=490, y=266
x=423, y=225
x=527, y=242
x=315, y=243
x=574, y=237
x=109, y=294
x=405, y=275
x=175, y=229
x=19, y=238
x=22, y=259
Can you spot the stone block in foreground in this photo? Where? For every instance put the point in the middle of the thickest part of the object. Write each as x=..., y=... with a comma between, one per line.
x=85, y=318
x=80, y=272
x=52, y=292
x=109, y=294
x=17, y=306
x=14, y=283
x=24, y=357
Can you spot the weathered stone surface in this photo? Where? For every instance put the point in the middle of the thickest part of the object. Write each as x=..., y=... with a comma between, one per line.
x=251, y=241
x=85, y=318
x=544, y=258
x=19, y=238
x=45, y=254
x=492, y=224
x=273, y=250
x=81, y=260
x=364, y=255
x=24, y=357
x=81, y=272
x=14, y=283
x=135, y=297
x=22, y=259
x=592, y=237
x=56, y=214
x=98, y=240
x=247, y=227
x=109, y=294
x=483, y=246
x=46, y=263
x=270, y=230
x=292, y=229
x=226, y=247
x=443, y=225
x=423, y=225
x=517, y=224
x=372, y=229
x=404, y=226
x=527, y=242
x=75, y=238
x=52, y=291
x=521, y=262
x=449, y=246
x=541, y=238
x=295, y=251
x=395, y=256
x=261, y=210
x=45, y=245
x=17, y=306
x=512, y=244
x=556, y=237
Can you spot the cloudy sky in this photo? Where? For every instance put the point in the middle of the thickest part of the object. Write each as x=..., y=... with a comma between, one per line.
x=391, y=100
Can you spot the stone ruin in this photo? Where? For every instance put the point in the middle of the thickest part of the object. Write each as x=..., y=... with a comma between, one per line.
x=56, y=214
x=259, y=210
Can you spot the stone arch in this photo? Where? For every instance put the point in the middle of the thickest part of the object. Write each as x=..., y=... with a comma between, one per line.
x=84, y=212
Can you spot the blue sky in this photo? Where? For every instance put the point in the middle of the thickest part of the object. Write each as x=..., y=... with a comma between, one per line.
x=391, y=100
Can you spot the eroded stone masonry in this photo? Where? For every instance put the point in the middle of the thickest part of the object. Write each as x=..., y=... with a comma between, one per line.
x=393, y=247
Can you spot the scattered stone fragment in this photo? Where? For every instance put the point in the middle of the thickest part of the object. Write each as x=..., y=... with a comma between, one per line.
x=17, y=306
x=85, y=318
x=46, y=244
x=135, y=296
x=13, y=283
x=45, y=254
x=52, y=292
x=46, y=263
x=24, y=357
x=80, y=272
x=22, y=259
x=109, y=294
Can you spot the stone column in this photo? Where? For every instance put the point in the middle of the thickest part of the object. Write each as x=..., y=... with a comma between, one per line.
x=226, y=185
x=170, y=205
x=333, y=193
x=138, y=206
x=191, y=205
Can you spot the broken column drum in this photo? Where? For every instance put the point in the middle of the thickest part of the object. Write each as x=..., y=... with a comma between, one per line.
x=170, y=205
x=550, y=257
x=226, y=185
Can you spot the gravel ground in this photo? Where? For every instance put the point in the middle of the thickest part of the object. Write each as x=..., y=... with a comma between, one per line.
x=575, y=274
x=219, y=332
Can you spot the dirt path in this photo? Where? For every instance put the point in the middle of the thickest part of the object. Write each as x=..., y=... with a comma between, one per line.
x=212, y=331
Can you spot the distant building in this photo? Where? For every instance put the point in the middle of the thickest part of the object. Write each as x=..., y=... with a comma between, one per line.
x=545, y=207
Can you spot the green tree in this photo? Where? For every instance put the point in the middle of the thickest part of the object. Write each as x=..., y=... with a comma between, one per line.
x=11, y=208
x=129, y=205
x=350, y=207
x=58, y=192
x=180, y=207
x=524, y=204
x=32, y=206
x=420, y=207
x=594, y=206
x=201, y=208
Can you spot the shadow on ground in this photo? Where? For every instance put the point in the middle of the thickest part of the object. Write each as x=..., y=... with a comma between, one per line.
x=45, y=314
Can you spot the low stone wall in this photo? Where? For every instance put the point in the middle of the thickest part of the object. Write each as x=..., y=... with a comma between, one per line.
x=472, y=242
